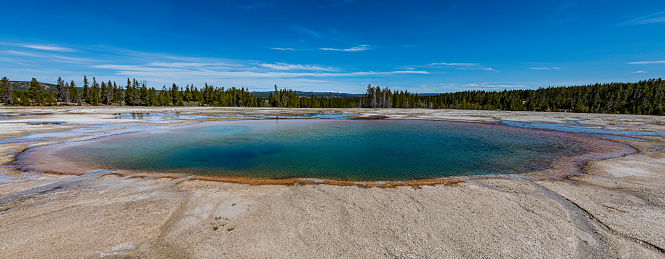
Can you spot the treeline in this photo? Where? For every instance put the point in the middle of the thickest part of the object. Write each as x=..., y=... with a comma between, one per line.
x=643, y=97
x=136, y=93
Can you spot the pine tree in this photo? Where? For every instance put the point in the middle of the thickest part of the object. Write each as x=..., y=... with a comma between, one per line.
x=86, y=90
x=6, y=91
x=35, y=92
x=94, y=92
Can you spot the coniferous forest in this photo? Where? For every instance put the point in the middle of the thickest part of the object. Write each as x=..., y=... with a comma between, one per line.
x=643, y=97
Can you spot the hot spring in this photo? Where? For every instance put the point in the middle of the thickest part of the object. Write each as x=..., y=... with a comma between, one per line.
x=343, y=150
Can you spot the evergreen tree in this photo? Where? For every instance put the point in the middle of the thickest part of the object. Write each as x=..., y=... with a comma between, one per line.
x=35, y=92
x=86, y=90
x=94, y=92
x=6, y=91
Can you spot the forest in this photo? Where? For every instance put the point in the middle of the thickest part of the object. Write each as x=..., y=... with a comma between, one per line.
x=643, y=97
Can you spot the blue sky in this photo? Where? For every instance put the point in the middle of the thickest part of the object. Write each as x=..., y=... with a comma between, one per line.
x=336, y=45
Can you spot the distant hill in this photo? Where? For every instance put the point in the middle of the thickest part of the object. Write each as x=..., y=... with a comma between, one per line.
x=23, y=85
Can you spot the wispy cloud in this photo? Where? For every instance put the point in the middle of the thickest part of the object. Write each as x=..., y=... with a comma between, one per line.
x=464, y=66
x=646, y=62
x=306, y=32
x=454, y=64
x=283, y=48
x=353, y=49
x=252, y=6
x=273, y=71
x=646, y=19
x=164, y=67
x=343, y=2
x=50, y=57
x=49, y=48
x=545, y=68
x=639, y=72
x=195, y=65
x=285, y=66
x=159, y=69
x=14, y=61
x=478, y=68
x=420, y=72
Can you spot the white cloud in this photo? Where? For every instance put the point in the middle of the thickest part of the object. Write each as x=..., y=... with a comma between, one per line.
x=283, y=48
x=159, y=69
x=464, y=66
x=194, y=64
x=344, y=2
x=50, y=57
x=639, y=72
x=14, y=61
x=421, y=72
x=545, y=68
x=658, y=17
x=306, y=32
x=478, y=68
x=646, y=62
x=252, y=6
x=193, y=72
x=49, y=48
x=285, y=66
x=455, y=64
x=353, y=49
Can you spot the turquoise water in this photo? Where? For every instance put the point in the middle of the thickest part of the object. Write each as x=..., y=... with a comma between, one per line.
x=372, y=150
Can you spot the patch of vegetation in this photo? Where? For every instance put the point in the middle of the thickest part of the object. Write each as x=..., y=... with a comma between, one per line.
x=643, y=97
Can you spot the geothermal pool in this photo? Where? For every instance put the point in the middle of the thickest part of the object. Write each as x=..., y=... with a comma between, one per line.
x=346, y=150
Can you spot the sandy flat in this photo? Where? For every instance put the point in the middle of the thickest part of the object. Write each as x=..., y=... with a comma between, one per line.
x=615, y=210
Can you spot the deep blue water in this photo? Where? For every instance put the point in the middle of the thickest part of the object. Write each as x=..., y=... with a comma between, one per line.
x=356, y=150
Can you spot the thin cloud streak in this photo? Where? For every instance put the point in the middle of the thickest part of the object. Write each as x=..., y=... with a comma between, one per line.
x=51, y=57
x=658, y=17
x=306, y=32
x=49, y=48
x=646, y=62
x=283, y=48
x=285, y=66
x=14, y=61
x=464, y=66
x=353, y=49
x=639, y=72
x=278, y=70
x=478, y=68
x=454, y=64
x=544, y=68
x=194, y=65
